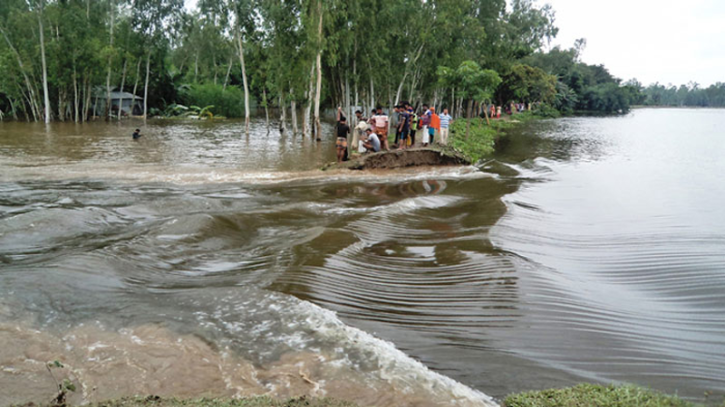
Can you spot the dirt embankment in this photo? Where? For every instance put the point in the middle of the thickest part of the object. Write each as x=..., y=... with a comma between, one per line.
x=412, y=157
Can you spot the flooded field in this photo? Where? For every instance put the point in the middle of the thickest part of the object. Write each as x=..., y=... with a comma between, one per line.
x=203, y=261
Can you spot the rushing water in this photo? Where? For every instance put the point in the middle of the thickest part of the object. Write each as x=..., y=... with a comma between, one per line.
x=199, y=260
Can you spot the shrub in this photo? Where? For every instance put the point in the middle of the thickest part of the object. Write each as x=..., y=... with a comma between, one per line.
x=480, y=141
x=227, y=102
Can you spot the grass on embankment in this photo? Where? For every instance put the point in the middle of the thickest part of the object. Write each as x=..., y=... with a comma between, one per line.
x=594, y=395
x=582, y=395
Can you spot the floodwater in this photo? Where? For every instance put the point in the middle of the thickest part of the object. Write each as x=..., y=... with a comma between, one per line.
x=201, y=261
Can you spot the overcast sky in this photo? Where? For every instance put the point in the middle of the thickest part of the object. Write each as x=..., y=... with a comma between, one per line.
x=662, y=41
x=652, y=40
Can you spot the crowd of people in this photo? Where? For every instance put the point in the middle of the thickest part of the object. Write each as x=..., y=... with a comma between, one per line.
x=371, y=133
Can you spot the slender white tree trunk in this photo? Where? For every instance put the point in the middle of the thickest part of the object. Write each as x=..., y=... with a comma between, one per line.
x=318, y=89
x=110, y=61
x=229, y=71
x=348, y=107
x=146, y=87
x=75, y=93
x=244, y=80
x=196, y=66
x=46, y=98
x=306, y=123
x=135, y=85
x=266, y=107
x=123, y=82
x=453, y=98
x=372, y=94
x=282, y=112
x=31, y=92
x=293, y=111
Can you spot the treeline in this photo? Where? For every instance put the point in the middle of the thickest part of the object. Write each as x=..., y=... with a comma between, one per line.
x=690, y=95
x=58, y=57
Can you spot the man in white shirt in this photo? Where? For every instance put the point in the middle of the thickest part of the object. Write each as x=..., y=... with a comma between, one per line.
x=381, y=128
x=446, y=121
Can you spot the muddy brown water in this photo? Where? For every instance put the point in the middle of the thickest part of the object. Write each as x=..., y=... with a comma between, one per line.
x=201, y=261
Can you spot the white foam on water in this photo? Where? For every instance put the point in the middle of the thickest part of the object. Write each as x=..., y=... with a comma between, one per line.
x=394, y=365
x=186, y=175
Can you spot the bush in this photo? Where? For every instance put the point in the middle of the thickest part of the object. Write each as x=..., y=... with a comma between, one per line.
x=227, y=102
x=546, y=111
x=480, y=141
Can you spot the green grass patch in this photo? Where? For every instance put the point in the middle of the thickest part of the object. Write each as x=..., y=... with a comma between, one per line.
x=594, y=395
x=481, y=137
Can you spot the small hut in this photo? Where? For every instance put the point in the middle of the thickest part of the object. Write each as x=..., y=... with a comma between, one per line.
x=130, y=104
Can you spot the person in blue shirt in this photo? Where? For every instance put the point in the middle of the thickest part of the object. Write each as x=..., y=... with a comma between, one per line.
x=446, y=121
x=371, y=142
x=137, y=134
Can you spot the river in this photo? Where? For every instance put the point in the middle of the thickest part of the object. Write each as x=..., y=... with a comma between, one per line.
x=203, y=261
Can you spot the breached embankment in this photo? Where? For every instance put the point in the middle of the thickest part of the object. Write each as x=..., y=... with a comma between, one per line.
x=411, y=157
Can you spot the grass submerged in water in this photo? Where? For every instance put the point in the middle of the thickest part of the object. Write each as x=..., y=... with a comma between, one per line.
x=594, y=395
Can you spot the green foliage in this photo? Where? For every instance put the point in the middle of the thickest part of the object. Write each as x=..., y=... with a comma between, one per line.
x=528, y=84
x=546, y=111
x=606, y=98
x=225, y=102
x=585, y=87
x=686, y=95
x=480, y=141
x=592, y=395
x=565, y=99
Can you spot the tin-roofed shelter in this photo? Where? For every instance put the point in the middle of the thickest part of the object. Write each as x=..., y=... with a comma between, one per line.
x=132, y=104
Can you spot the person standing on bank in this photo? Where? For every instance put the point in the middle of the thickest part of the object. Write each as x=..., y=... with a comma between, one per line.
x=435, y=124
x=342, y=131
x=362, y=125
x=381, y=128
x=446, y=121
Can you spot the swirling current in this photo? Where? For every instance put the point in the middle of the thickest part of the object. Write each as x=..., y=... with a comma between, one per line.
x=204, y=261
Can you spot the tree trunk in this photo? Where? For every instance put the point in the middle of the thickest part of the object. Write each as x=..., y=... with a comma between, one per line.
x=33, y=109
x=453, y=101
x=108, y=75
x=215, y=68
x=468, y=118
x=75, y=93
x=86, y=97
x=348, y=108
x=372, y=94
x=46, y=97
x=135, y=85
x=12, y=109
x=293, y=111
x=485, y=113
x=244, y=80
x=318, y=89
x=306, y=122
x=355, y=82
x=146, y=87
x=229, y=71
x=266, y=107
x=282, y=112
x=123, y=83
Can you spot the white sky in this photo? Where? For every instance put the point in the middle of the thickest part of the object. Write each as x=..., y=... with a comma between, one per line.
x=662, y=41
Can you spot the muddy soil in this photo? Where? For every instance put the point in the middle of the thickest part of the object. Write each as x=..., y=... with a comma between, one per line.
x=423, y=156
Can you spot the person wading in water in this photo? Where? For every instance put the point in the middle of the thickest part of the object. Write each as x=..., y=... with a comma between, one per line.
x=342, y=131
x=137, y=134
